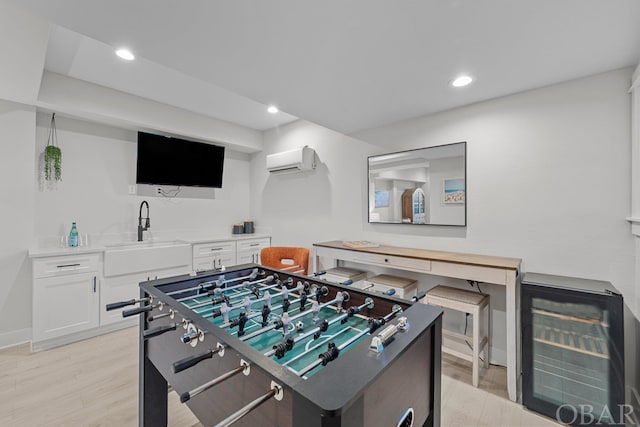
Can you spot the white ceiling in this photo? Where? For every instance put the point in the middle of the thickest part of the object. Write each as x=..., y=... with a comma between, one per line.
x=347, y=65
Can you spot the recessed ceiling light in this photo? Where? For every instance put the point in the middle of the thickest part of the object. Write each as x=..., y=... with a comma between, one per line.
x=272, y=109
x=461, y=81
x=125, y=54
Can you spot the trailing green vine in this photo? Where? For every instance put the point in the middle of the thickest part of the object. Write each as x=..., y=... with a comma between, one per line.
x=52, y=154
x=52, y=163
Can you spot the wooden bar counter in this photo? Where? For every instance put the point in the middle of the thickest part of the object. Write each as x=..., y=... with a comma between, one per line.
x=482, y=268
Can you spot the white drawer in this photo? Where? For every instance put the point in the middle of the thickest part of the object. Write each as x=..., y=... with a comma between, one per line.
x=253, y=244
x=65, y=265
x=215, y=248
x=411, y=264
x=471, y=272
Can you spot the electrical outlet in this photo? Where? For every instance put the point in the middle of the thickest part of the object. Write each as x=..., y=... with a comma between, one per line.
x=133, y=189
x=158, y=191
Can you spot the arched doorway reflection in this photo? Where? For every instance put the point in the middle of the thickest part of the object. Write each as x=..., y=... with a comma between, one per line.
x=414, y=206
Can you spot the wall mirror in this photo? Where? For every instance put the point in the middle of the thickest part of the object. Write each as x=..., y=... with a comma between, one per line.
x=425, y=186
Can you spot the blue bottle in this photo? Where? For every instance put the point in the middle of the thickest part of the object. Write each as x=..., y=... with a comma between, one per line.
x=73, y=236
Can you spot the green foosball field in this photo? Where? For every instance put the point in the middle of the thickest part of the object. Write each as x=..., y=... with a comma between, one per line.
x=315, y=322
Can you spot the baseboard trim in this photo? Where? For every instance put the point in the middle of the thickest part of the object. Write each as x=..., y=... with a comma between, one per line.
x=79, y=336
x=13, y=338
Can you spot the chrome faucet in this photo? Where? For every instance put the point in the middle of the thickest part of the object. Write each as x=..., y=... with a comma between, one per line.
x=146, y=224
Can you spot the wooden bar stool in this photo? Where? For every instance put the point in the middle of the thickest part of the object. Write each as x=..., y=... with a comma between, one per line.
x=467, y=302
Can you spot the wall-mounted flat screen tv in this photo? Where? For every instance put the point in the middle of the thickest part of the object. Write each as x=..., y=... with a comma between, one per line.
x=164, y=160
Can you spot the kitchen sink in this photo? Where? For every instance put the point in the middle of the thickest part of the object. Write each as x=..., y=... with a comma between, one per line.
x=134, y=257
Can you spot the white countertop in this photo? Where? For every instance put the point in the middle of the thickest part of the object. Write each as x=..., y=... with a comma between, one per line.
x=228, y=237
x=39, y=252
x=45, y=252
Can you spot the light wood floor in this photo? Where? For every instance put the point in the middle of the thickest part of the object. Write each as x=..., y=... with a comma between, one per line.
x=95, y=383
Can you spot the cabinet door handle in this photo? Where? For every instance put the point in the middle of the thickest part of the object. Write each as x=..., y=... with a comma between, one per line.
x=95, y=279
x=254, y=244
x=68, y=265
x=215, y=249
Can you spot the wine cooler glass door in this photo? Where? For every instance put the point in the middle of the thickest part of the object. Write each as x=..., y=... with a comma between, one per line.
x=570, y=360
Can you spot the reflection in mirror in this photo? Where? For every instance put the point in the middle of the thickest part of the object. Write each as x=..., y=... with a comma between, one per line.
x=423, y=186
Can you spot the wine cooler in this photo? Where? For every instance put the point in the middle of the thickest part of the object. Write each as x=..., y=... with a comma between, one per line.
x=572, y=349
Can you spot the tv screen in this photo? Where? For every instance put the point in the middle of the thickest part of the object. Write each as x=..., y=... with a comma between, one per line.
x=164, y=160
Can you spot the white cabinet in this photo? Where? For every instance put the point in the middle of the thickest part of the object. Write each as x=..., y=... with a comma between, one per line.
x=249, y=250
x=125, y=287
x=127, y=265
x=226, y=253
x=71, y=291
x=210, y=255
x=66, y=295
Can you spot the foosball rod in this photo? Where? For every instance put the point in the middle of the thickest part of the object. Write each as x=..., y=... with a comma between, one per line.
x=222, y=290
x=276, y=391
x=418, y=297
x=368, y=301
x=320, y=273
x=347, y=343
x=291, y=319
x=221, y=281
x=316, y=274
x=257, y=300
x=239, y=297
x=142, y=309
x=367, y=304
x=276, y=307
x=320, y=344
x=255, y=314
x=235, y=297
x=201, y=286
x=116, y=305
x=187, y=395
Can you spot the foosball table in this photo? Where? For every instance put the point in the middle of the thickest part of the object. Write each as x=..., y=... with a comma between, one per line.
x=254, y=346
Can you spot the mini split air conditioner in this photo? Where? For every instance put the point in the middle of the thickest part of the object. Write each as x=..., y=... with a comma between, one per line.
x=298, y=160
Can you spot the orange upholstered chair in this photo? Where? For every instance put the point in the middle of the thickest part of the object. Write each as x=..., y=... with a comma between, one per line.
x=287, y=258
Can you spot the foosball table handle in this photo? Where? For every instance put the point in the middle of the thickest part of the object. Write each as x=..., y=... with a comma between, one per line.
x=138, y=310
x=116, y=305
x=188, y=362
x=419, y=296
x=154, y=332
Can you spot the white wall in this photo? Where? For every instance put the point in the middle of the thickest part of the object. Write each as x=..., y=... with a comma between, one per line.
x=17, y=148
x=548, y=176
x=99, y=164
x=84, y=100
x=23, y=47
x=330, y=201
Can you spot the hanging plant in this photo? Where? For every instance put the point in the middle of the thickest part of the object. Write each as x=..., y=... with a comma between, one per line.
x=52, y=154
